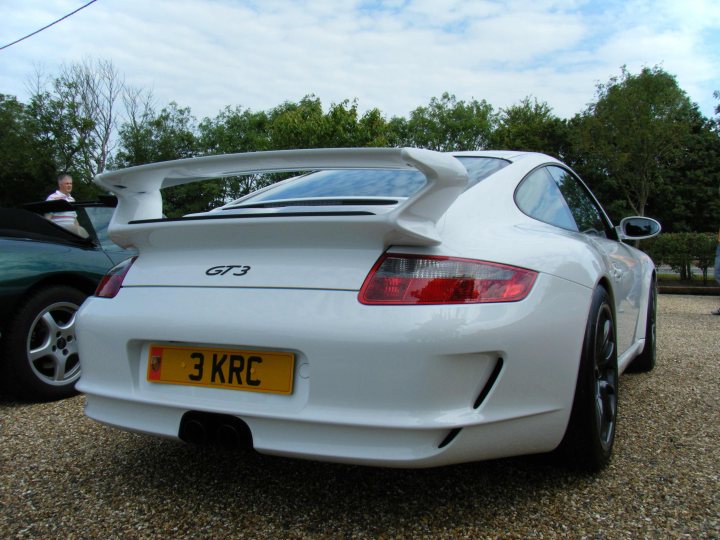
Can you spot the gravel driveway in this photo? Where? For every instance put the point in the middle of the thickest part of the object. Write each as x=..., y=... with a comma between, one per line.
x=64, y=476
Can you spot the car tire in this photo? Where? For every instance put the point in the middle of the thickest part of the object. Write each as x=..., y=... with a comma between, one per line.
x=590, y=434
x=645, y=361
x=39, y=350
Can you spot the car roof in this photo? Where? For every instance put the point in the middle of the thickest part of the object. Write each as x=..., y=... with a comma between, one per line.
x=510, y=155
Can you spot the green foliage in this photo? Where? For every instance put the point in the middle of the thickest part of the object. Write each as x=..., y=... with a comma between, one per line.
x=447, y=124
x=167, y=135
x=530, y=126
x=682, y=251
x=290, y=125
x=305, y=125
x=73, y=118
x=231, y=131
x=27, y=170
x=235, y=130
x=57, y=125
x=688, y=198
x=642, y=146
x=635, y=132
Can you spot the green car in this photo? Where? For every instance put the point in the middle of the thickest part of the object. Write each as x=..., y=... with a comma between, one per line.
x=46, y=272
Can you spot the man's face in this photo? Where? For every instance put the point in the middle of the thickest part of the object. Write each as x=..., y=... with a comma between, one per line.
x=65, y=185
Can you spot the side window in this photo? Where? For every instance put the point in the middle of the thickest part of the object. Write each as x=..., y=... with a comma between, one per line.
x=586, y=213
x=540, y=197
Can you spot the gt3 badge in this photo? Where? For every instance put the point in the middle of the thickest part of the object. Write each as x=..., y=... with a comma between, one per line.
x=236, y=269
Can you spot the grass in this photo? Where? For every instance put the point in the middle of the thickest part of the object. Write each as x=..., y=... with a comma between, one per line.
x=696, y=279
x=676, y=277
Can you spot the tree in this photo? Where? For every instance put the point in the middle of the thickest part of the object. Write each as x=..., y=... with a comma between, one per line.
x=27, y=171
x=688, y=199
x=530, y=126
x=135, y=135
x=56, y=124
x=305, y=125
x=235, y=130
x=149, y=137
x=96, y=88
x=298, y=125
x=290, y=125
x=447, y=124
x=373, y=129
x=635, y=132
x=75, y=116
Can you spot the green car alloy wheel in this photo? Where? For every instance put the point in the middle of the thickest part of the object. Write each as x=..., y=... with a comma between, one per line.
x=40, y=345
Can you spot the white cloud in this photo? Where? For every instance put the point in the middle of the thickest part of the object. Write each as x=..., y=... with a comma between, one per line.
x=393, y=55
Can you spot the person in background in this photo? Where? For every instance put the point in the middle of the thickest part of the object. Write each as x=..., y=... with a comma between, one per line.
x=68, y=219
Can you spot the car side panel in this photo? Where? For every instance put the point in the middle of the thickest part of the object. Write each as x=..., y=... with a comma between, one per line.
x=486, y=224
x=26, y=263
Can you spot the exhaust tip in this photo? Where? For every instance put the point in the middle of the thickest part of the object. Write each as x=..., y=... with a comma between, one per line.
x=223, y=430
x=227, y=436
x=193, y=431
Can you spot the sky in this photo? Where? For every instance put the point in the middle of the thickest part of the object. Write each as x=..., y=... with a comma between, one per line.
x=394, y=55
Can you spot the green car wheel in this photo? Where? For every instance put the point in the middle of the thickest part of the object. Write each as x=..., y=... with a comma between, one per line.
x=40, y=359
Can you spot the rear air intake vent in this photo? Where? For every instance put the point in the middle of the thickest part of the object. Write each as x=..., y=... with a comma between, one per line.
x=449, y=438
x=489, y=384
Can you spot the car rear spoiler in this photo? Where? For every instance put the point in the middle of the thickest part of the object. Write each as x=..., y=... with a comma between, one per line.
x=139, y=199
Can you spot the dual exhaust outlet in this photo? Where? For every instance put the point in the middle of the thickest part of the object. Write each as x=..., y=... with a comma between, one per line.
x=222, y=430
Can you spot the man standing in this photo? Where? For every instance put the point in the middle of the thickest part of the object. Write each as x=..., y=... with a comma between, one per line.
x=64, y=219
x=67, y=219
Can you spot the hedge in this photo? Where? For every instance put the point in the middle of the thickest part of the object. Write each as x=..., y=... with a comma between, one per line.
x=682, y=251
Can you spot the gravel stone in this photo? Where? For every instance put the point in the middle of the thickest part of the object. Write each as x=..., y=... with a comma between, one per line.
x=65, y=476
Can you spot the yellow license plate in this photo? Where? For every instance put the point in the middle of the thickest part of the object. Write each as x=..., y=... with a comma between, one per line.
x=254, y=371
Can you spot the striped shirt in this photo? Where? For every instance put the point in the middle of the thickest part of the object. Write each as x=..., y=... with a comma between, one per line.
x=64, y=219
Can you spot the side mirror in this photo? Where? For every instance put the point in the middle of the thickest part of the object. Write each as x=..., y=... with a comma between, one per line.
x=638, y=228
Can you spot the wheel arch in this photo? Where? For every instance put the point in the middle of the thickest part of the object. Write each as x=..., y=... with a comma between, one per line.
x=641, y=328
x=605, y=282
x=578, y=447
x=85, y=284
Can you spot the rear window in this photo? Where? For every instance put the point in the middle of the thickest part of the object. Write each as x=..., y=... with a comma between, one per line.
x=366, y=182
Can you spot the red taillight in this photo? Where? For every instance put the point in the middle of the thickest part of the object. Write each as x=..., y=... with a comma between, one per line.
x=112, y=281
x=414, y=279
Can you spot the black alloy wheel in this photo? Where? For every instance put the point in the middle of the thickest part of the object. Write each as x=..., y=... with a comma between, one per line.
x=605, y=374
x=590, y=434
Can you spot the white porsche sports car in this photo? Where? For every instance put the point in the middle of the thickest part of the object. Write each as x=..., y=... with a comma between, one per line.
x=392, y=307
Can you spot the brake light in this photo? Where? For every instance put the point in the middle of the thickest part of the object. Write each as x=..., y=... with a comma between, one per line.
x=398, y=279
x=112, y=281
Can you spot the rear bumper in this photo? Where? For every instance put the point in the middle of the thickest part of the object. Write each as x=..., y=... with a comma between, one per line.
x=381, y=385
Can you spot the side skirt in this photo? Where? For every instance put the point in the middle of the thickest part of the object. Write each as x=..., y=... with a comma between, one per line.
x=632, y=352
